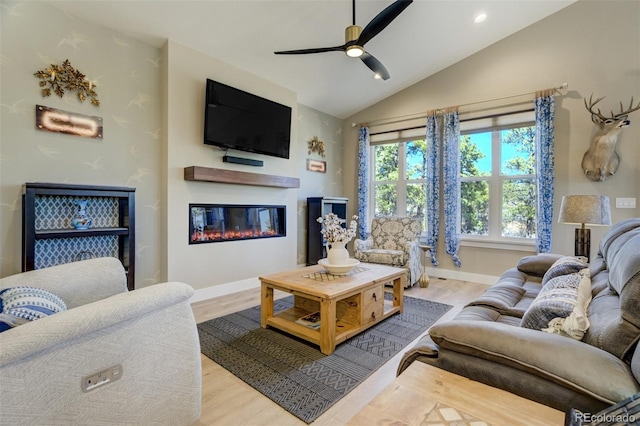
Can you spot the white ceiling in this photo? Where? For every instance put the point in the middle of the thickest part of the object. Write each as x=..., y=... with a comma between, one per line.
x=427, y=37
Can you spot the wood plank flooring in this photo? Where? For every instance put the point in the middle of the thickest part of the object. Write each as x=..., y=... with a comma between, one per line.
x=228, y=401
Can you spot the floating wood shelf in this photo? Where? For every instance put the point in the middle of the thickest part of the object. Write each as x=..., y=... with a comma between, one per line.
x=208, y=174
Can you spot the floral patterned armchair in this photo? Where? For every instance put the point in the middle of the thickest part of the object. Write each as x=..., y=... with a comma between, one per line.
x=394, y=242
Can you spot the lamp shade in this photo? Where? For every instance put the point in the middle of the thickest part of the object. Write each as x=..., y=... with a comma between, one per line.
x=585, y=209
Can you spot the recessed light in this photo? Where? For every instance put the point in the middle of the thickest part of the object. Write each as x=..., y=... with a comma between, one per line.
x=480, y=17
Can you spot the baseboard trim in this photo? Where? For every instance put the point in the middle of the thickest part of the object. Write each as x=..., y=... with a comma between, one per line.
x=224, y=289
x=251, y=283
x=462, y=276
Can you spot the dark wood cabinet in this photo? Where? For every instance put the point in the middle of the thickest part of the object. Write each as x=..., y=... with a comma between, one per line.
x=49, y=239
x=317, y=207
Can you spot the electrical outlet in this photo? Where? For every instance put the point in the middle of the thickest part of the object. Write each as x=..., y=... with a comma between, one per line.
x=625, y=203
x=101, y=378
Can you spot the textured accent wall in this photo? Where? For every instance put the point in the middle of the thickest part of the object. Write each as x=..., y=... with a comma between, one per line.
x=314, y=184
x=128, y=75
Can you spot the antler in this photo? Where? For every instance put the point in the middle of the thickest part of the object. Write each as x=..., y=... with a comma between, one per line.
x=594, y=114
x=598, y=117
x=624, y=114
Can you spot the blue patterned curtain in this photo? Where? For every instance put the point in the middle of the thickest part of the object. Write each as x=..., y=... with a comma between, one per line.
x=433, y=184
x=545, y=105
x=451, y=160
x=363, y=181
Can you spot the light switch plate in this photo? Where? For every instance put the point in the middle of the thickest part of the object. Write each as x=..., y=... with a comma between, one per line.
x=625, y=203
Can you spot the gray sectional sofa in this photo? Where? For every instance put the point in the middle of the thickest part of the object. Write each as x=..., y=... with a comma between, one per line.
x=487, y=341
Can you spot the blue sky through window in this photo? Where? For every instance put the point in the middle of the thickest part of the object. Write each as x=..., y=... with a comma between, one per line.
x=483, y=142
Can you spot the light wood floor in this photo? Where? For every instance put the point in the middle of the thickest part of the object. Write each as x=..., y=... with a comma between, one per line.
x=228, y=401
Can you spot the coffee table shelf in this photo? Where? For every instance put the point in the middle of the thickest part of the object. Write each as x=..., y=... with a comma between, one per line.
x=352, y=303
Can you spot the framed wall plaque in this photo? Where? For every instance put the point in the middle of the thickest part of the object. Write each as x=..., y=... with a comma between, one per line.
x=59, y=121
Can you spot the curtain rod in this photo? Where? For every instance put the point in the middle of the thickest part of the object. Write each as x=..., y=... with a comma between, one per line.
x=520, y=111
x=558, y=90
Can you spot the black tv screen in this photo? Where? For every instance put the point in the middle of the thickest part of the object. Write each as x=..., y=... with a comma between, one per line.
x=235, y=119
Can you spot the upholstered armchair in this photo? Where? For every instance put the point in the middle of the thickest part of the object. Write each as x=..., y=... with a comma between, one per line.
x=394, y=242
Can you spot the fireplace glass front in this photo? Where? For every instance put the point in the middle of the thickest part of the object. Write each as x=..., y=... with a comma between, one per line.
x=212, y=223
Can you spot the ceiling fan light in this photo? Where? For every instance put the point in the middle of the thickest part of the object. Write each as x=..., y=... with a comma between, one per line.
x=480, y=17
x=354, y=51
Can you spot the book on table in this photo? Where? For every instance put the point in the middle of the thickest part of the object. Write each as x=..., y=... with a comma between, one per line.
x=311, y=320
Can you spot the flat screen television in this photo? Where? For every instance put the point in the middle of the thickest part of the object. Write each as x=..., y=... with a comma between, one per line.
x=235, y=119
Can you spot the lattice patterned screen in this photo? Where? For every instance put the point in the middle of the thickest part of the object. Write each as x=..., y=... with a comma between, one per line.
x=56, y=212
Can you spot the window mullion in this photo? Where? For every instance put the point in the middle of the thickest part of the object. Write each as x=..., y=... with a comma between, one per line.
x=401, y=188
x=495, y=188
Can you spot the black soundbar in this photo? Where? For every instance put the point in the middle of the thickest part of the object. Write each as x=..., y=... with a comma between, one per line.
x=245, y=161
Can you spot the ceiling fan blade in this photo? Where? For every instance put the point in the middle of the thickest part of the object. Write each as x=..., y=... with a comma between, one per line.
x=381, y=21
x=315, y=50
x=375, y=66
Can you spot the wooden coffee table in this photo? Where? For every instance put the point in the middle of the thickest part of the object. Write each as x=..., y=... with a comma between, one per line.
x=347, y=304
x=424, y=394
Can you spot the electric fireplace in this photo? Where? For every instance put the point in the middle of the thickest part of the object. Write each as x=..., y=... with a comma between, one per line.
x=213, y=223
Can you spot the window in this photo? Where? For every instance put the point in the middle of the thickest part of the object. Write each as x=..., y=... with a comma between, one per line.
x=498, y=183
x=399, y=180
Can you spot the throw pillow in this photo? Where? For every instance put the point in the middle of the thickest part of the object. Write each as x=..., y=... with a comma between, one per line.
x=538, y=264
x=563, y=266
x=557, y=299
x=19, y=305
x=577, y=323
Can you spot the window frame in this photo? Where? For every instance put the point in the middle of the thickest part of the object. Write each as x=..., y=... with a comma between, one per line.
x=401, y=183
x=494, y=238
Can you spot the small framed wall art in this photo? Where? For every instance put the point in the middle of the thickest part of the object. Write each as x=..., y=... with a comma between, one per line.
x=59, y=121
x=317, y=166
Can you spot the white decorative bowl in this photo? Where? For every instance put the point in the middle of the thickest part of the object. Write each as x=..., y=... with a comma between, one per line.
x=339, y=269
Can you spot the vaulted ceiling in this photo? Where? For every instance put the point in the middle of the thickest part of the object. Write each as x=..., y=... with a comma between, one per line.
x=427, y=37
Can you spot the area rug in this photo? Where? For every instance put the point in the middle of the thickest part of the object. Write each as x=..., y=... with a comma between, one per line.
x=294, y=373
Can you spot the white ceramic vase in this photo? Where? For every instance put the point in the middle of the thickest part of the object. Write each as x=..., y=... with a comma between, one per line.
x=337, y=254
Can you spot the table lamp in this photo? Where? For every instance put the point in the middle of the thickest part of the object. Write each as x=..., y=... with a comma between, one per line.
x=585, y=210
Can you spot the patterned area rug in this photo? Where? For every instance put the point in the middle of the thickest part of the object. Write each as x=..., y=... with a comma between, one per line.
x=294, y=373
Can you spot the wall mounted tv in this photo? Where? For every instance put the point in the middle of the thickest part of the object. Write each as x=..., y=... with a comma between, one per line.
x=235, y=119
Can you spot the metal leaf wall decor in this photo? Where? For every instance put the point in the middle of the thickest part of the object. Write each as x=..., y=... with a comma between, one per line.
x=61, y=78
x=316, y=145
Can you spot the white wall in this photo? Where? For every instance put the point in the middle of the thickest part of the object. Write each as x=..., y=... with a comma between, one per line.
x=591, y=45
x=203, y=265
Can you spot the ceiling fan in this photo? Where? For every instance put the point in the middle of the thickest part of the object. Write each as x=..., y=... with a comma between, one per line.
x=356, y=38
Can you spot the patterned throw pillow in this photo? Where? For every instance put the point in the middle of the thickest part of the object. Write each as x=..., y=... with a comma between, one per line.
x=577, y=323
x=556, y=299
x=19, y=305
x=564, y=266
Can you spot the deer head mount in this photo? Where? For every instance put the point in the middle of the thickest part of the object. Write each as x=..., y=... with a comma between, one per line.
x=602, y=160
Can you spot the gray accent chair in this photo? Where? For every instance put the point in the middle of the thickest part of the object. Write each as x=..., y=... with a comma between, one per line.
x=486, y=343
x=393, y=242
x=150, y=332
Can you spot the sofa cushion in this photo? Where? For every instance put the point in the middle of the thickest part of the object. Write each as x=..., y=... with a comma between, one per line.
x=614, y=312
x=563, y=266
x=557, y=299
x=22, y=304
x=549, y=356
x=385, y=257
x=538, y=264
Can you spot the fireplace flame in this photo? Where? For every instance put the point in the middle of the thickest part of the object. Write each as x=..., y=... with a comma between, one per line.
x=211, y=236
